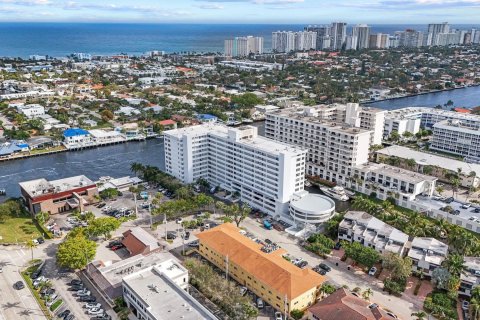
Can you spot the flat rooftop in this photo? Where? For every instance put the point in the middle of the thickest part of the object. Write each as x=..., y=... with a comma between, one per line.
x=164, y=299
x=39, y=187
x=395, y=172
x=257, y=142
x=312, y=202
x=423, y=158
x=417, y=111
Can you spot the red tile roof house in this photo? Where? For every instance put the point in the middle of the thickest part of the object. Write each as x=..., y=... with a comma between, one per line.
x=342, y=304
x=137, y=241
x=168, y=124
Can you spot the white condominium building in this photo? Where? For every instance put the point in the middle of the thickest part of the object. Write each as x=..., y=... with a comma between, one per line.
x=412, y=118
x=266, y=173
x=243, y=46
x=334, y=149
x=389, y=181
x=457, y=137
x=287, y=41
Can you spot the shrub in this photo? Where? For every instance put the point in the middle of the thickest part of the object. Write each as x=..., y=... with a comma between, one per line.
x=394, y=287
x=56, y=305
x=441, y=306
x=297, y=314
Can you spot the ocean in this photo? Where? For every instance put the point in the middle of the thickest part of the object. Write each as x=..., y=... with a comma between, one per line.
x=61, y=39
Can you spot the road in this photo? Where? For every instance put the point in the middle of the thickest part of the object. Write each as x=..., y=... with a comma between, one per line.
x=339, y=276
x=16, y=304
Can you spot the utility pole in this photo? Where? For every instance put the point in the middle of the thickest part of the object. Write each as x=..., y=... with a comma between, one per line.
x=165, y=223
x=150, y=213
x=285, y=307
x=136, y=207
x=226, y=268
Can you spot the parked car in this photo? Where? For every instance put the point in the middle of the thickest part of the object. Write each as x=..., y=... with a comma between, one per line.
x=194, y=244
x=337, y=246
x=64, y=314
x=302, y=264
x=76, y=287
x=466, y=205
x=91, y=305
x=324, y=267
x=76, y=282
x=278, y=316
x=476, y=210
x=456, y=212
x=95, y=311
x=69, y=317
x=243, y=291
x=372, y=271
x=449, y=200
x=19, y=285
x=179, y=220
x=117, y=247
x=465, y=305
x=171, y=235
x=259, y=303
x=82, y=293
x=88, y=299
x=40, y=240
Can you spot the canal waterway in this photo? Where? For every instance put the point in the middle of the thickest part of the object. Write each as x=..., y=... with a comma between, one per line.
x=111, y=161
x=465, y=98
x=115, y=160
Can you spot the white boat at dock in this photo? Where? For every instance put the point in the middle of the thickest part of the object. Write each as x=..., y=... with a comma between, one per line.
x=337, y=193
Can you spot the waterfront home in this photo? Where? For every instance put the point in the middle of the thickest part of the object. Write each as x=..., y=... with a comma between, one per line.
x=77, y=138
x=207, y=118
x=58, y=196
x=168, y=124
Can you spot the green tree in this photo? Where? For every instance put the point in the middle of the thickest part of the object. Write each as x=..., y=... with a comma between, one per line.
x=420, y=315
x=76, y=252
x=297, y=314
x=103, y=226
x=367, y=293
x=454, y=263
x=401, y=267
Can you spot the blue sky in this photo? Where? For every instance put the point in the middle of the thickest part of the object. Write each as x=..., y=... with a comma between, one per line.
x=242, y=11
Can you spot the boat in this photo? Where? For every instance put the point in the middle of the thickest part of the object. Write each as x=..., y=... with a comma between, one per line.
x=337, y=193
x=247, y=121
x=3, y=192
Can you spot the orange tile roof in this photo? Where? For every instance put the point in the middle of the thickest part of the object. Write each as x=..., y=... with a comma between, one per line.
x=462, y=110
x=269, y=268
x=343, y=305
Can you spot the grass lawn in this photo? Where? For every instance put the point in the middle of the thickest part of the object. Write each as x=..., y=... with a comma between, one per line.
x=38, y=151
x=18, y=230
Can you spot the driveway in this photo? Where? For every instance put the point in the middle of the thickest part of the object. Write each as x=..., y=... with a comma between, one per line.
x=339, y=275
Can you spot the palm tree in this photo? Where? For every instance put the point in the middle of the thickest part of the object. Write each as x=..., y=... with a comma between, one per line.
x=476, y=293
x=420, y=315
x=455, y=184
x=427, y=169
x=367, y=294
x=454, y=264
x=411, y=163
x=474, y=308
x=136, y=167
x=31, y=245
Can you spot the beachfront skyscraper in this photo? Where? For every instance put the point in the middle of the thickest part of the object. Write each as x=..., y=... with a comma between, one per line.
x=243, y=46
x=287, y=41
x=362, y=34
x=436, y=28
x=338, y=34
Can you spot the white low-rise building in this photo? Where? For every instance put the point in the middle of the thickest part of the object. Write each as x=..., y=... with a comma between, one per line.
x=440, y=166
x=31, y=110
x=266, y=173
x=308, y=208
x=427, y=254
x=391, y=182
x=359, y=226
x=154, y=294
x=470, y=277
x=101, y=137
